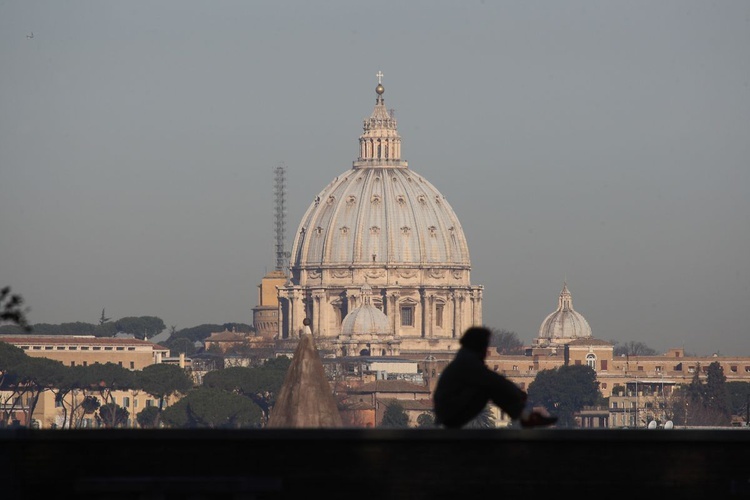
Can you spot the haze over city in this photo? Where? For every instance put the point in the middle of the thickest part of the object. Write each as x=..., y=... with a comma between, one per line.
x=599, y=144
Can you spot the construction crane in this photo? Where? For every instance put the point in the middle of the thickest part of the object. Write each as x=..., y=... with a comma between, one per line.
x=280, y=215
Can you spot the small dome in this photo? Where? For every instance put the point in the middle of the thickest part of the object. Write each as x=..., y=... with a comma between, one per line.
x=366, y=319
x=565, y=323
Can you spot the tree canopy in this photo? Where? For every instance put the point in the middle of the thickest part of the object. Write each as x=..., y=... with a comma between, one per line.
x=162, y=381
x=395, y=416
x=704, y=403
x=632, y=349
x=12, y=310
x=739, y=398
x=261, y=384
x=565, y=390
x=484, y=420
x=506, y=342
x=213, y=409
x=141, y=327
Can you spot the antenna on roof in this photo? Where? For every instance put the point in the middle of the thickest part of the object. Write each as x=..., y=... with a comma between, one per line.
x=280, y=215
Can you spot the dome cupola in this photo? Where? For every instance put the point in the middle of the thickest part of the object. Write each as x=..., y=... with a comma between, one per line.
x=565, y=324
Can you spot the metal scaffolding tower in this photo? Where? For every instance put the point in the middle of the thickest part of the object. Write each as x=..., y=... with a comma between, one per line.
x=280, y=214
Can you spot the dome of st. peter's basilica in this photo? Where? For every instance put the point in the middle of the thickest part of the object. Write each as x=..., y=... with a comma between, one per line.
x=382, y=226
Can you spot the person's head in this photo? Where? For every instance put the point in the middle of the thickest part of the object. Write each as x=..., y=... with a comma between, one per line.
x=477, y=339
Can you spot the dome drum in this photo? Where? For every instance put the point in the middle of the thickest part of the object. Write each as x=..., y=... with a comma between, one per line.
x=366, y=347
x=383, y=276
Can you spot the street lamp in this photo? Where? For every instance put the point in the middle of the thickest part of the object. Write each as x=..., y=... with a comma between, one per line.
x=636, y=402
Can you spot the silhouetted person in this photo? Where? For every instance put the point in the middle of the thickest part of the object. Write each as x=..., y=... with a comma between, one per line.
x=467, y=385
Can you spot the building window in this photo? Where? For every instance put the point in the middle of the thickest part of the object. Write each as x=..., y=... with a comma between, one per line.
x=85, y=363
x=135, y=403
x=691, y=369
x=73, y=348
x=131, y=348
x=439, y=315
x=97, y=348
x=119, y=363
x=48, y=348
x=733, y=368
x=591, y=361
x=407, y=316
x=125, y=402
x=107, y=348
x=84, y=348
x=61, y=348
x=132, y=365
x=339, y=314
x=120, y=348
x=515, y=368
x=604, y=385
x=149, y=403
x=72, y=363
x=658, y=369
x=37, y=348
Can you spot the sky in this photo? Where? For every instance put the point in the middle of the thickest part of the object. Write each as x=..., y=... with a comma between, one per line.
x=602, y=144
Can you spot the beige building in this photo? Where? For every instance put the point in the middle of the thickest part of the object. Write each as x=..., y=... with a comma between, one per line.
x=84, y=350
x=639, y=388
x=266, y=312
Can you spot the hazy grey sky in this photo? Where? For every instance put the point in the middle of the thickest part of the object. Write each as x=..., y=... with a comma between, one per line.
x=606, y=143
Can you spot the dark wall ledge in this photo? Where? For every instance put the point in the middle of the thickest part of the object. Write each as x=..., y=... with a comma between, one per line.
x=376, y=463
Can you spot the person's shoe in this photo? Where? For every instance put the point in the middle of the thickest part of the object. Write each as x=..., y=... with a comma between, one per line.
x=536, y=419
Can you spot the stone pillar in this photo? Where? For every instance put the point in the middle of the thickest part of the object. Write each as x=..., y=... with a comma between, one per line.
x=477, y=301
x=317, y=320
x=423, y=304
x=297, y=308
x=456, y=315
x=392, y=311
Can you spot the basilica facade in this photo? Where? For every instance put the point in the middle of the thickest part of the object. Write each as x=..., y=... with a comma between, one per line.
x=381, y=243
